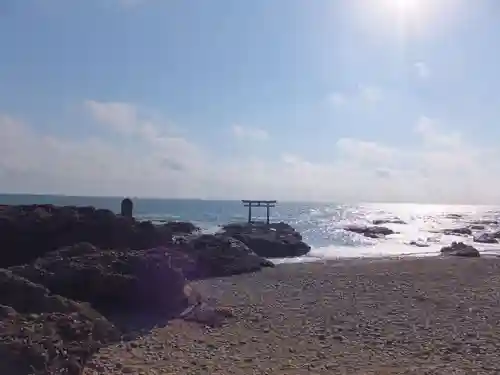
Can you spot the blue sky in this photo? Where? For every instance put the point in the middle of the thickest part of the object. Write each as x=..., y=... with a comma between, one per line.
x=385, y=100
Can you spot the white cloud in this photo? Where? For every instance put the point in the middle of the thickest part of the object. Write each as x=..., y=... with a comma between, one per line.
x=370, y=94
x=337, y=99
x=363, y=95
x=432, y=137
x=422, y=69
x=122, y=117
x=442, y=167
x=364, y=151
x=246, y=132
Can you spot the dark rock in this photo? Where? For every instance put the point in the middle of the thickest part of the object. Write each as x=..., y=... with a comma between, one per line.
x=485, y=238
x=181, y=227
x=372, y=232
x=220, y=255
x=388, y=221
x=29, y=232
x=41, y=333
x=477, y=227
x=485, y=222
x=131, y=280
x=419, y=244
x=458, y=232
x=275, y=240
x=453, y=216
x=460, y=249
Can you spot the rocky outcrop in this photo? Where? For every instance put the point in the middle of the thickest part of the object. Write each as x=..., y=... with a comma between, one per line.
x=148, y=280
x=181, y=227
x=371, y=232
x=219, y=255
x=484, y=222
x=275, y=240
x=477, y=227
x=42, y=333
x=454, y=216
x=69, y=265
x=485, y=238
x=30, y=232
x=419, y=244
x=458, y=232
x=460, y=249
x=388, y=221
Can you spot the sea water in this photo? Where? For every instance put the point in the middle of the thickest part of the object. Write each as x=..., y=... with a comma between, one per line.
x=321, y=224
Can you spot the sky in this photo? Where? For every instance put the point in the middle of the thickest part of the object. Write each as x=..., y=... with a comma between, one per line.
x=325, y=100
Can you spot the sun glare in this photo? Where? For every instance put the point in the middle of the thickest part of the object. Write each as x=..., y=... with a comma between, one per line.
x=405, y=6
x=408, y=9
x=407, y=19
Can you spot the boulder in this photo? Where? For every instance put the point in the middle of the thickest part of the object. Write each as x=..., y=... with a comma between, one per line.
x=180, y=227
x=419, y=244
x=370, y=231
x=42, y=333
x=485, y=238
x=219, y=255
x=146, y=280
x=454, y=216
x=275, y=240
x=460, y=249
x=485, y=222
x=388, y=221
x=458, y=232
x=477, y=227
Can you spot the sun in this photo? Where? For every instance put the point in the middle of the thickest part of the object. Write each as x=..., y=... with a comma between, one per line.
x=405, y=7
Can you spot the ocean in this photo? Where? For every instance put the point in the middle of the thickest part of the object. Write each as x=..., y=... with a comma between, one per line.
x=319, y=223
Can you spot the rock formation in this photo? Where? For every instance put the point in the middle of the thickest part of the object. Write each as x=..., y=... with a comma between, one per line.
x=71, y=270
x=275, y=240
x=31, y=231
x=370, y=231
x=42, y=333
x=461, y=250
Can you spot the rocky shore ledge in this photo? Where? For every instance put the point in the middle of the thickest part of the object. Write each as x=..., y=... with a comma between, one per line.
x=75, y=279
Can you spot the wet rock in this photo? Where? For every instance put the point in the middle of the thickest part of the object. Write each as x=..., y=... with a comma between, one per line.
x=370, y=231
x=477, y=227
x=275, y=240
x=181, y=227
x=460, y=249
x=388, y=221
x=419, y=244
x=485, y=238
x=485, y=222
x=454, y=216
x=458, y=232
x=220, y=255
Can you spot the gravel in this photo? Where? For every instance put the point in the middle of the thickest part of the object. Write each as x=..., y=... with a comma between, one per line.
x=362, y=317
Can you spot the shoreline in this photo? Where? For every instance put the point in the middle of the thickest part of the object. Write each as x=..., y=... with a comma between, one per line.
x=402, y=257
x=389, y=316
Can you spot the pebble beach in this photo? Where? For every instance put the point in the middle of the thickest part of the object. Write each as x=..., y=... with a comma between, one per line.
x=435, y=315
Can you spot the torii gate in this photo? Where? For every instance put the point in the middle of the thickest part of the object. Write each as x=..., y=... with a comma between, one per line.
x=254, y=203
